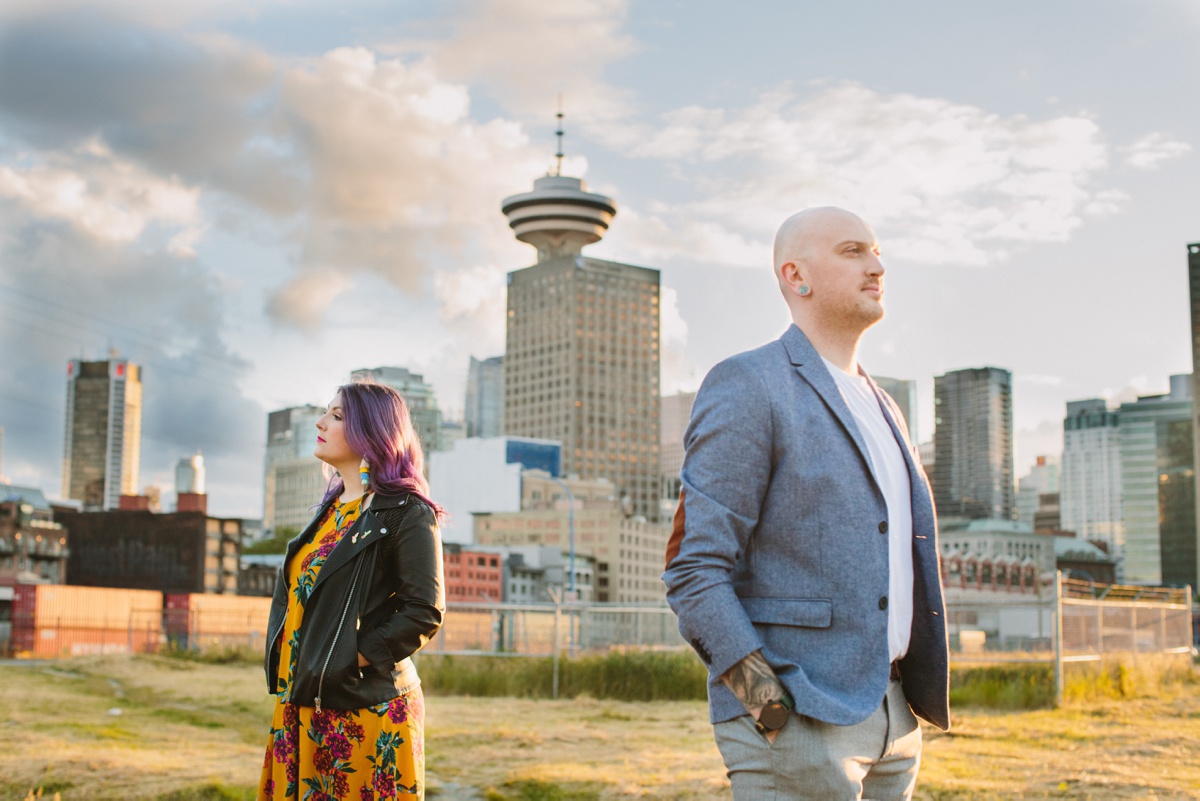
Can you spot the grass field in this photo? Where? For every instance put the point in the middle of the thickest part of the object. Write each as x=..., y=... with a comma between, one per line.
x=158, y=727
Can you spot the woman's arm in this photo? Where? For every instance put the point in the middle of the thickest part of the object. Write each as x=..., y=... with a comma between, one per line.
x=412, y=559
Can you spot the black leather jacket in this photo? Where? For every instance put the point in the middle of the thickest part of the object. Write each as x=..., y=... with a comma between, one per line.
x=379, y=593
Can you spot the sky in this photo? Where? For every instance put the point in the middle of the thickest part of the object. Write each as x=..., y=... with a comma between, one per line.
x=252, y=199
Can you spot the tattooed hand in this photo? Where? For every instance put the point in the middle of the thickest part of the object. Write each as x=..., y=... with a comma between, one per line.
x=754, y=684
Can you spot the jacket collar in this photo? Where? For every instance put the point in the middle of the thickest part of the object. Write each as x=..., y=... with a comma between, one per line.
x=366, y=531
x=811, y=367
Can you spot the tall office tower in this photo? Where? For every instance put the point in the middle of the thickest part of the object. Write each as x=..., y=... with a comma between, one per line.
x=1042, y=479
x=676, y=413
x=484, y=413
x=189, y=475
x=1158, y=487
x=973, y=443
x=904, y=393
x=581, y=364
x=1090, y=479
x=1194, y=287
x=422, y=405
x=103, y=432
x=293, y=479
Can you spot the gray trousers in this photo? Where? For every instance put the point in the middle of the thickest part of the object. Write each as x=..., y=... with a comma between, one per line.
x=875, y=759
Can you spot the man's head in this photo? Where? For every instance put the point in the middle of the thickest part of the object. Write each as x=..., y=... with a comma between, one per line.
x=828, y=268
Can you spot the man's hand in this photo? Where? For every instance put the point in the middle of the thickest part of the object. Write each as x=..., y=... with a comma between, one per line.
x=754, y=684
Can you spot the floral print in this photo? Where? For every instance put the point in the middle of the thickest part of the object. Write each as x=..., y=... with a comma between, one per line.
x=372, y=753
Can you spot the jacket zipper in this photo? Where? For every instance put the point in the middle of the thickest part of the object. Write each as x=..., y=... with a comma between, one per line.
x=336, y=635
x=273, y=640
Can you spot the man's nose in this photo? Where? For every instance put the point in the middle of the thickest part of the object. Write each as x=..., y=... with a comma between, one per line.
x=876, y=266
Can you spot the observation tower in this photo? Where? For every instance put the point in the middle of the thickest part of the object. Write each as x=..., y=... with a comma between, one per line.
x=559, y=216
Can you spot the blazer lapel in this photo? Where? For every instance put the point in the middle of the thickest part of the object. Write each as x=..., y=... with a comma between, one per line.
x=812, y=369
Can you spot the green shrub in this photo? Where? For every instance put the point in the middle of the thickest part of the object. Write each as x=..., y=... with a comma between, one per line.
x=627, y=676
x=1014, y=686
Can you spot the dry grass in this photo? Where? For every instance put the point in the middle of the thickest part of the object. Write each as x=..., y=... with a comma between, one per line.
x=197, y=731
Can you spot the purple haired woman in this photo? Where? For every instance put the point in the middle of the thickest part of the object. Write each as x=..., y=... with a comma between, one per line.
x=360, y=592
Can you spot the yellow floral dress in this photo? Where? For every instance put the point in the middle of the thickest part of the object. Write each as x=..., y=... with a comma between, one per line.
x=372, y=753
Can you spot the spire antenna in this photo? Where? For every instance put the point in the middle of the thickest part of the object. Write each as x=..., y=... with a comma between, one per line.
x=558, y=156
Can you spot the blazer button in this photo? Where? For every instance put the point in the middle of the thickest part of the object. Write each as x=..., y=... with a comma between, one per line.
x=883, y=527
x=883, y=602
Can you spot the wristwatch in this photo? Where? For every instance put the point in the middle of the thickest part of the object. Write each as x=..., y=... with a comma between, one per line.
x=774, y=715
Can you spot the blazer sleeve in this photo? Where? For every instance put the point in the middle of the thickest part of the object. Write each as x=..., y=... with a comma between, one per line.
x=412, y=555
x=726, y=472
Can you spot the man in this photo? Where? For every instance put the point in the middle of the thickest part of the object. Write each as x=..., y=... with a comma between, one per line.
x=803, y=564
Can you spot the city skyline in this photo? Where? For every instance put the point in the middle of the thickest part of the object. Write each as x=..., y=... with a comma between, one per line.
x=251, y=201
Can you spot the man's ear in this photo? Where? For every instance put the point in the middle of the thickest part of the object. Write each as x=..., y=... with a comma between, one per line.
x=791, y=276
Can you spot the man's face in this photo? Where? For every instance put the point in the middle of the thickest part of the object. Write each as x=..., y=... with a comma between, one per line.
x=840, y=262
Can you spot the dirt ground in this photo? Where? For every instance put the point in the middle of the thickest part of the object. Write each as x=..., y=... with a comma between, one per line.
x=154, y=727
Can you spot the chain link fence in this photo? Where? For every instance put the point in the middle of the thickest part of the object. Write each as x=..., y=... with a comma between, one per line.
x=547, y=629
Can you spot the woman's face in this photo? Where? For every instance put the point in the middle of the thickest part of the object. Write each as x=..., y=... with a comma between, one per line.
x=332, y=447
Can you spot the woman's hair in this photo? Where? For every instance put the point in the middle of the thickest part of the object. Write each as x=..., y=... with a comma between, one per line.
x=375, y=419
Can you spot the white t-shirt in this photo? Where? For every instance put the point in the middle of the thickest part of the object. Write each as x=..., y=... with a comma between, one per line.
x=891, y=473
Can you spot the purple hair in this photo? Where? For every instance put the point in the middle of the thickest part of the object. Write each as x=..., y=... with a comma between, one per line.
x=377, y=426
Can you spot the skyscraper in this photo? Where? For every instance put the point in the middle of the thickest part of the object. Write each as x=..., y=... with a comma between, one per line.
x=1158, y=487
x=418, y=396
x=1090, y=480
x=1042, y=479
x=293, y=479
x=973, y=443
x=676, y=413
x=189, y=475
x=484, y=413
x=582, y=363
x=103, y=432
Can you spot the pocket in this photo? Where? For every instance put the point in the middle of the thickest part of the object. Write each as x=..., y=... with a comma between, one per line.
x=813, y=613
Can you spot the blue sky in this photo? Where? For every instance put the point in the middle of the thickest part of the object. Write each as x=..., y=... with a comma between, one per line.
x=252, y=199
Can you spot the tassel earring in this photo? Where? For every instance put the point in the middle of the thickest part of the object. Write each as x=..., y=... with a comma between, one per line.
x=364, y=473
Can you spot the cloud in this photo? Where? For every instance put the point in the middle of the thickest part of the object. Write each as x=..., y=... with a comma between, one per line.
x=943, y=182
x=62, y=296
x=526, y=52
x=1153, y=150
x=1041, y=380
x=111, y=200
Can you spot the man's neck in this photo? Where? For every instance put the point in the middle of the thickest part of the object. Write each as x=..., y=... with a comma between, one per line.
x=838, y=347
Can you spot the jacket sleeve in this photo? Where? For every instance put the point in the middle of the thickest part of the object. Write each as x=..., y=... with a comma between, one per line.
x=726, y=472
x=412, y=558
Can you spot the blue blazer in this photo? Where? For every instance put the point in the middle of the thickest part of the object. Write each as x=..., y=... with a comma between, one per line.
x=780, y=542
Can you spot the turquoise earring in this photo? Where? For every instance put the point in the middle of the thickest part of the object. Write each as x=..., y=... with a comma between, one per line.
x=805, y=290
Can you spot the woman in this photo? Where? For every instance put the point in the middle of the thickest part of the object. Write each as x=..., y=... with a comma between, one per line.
x=360, y=591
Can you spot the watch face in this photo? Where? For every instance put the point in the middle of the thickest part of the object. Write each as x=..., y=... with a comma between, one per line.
x=773, y=716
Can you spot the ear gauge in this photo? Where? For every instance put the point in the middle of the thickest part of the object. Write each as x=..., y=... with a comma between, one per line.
x=805, y=290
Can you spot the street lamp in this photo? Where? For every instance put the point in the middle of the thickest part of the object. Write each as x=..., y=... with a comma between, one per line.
x=570, y=535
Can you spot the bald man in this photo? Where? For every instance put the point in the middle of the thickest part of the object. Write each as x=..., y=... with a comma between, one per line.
x=803, y=564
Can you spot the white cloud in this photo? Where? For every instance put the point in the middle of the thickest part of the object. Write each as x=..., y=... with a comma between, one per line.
x=942, y=182
x=111, y=199
x=1153, y=150
x=1041, y=380
x=527, y=52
